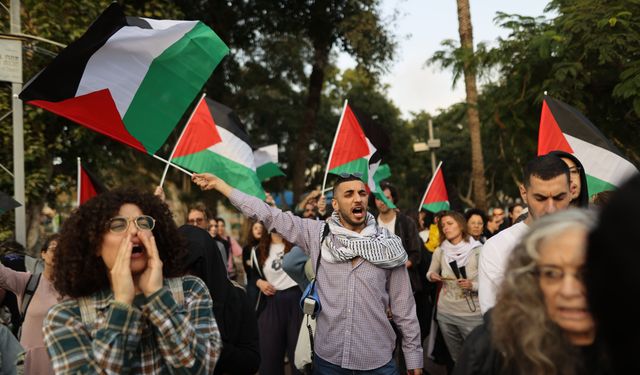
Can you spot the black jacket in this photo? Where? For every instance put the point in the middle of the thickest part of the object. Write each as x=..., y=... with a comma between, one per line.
x=407, y=230
x=232, y=309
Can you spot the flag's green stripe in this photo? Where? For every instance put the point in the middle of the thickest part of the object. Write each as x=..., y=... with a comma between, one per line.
x=380, y=195
x=172, y=82
x=356, y=166
x=268, y=170
x=596, y=185
x=436, y=206
x=235, y=174
x=382, y=173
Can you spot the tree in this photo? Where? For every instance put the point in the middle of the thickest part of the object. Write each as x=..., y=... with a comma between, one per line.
x=464, y=62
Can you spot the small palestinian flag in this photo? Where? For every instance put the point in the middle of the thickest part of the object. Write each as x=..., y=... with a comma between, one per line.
x=435, y=199
x=357, y=148
x=7, y=203
x=266, y=160
x=214, y=141
x=382, y=173
x=564, y=128
x=88, y=185
x=129, y=78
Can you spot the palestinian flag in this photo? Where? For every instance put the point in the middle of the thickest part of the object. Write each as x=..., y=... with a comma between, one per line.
x=357, y=148
x=382, y=173
x=564, y=128
x=266, y=160
x=129, y=78
x=88, y=185
x=435, y=199
x=7, y=203
x=214, y=141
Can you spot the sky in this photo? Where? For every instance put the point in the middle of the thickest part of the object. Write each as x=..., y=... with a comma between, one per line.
x=420, y=27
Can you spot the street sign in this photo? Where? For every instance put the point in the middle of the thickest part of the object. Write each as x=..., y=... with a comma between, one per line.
x=11, y=60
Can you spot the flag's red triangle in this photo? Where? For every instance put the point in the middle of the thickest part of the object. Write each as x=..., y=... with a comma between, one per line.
x=96, y=111
x=550, y=137
x=200, y=132
x=87, y=187
x=351, y=143
x=437, y=191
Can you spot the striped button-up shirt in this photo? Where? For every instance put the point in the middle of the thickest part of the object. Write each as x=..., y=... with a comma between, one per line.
x=353, y=330
x=160, y=337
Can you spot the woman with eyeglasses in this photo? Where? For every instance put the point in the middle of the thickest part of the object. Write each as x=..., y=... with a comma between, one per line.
x=540, y=323
x=36, y=295
x=130, y=309
x=455, y=265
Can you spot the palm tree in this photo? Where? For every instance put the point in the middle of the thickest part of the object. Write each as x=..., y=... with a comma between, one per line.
x=469, y=69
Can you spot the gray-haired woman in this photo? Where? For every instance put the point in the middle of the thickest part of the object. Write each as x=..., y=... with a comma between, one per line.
x=541, y=323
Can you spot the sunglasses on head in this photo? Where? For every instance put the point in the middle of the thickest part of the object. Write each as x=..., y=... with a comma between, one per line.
x=349, y=175
x=120, y=224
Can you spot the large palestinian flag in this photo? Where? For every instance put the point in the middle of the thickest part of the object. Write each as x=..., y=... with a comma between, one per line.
x=214, y=141
x=88, y=185
x=266, y=160
x=129, y=78
x=357, y=148
x=564, y=128
x=435, y=198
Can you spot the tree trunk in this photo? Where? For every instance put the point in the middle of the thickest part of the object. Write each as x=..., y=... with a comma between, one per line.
x=34, y=231
x=477, y=160
x=301, y=148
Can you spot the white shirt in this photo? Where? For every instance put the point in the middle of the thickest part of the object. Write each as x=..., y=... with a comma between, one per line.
x=493, y=262
x=390, y=226
x=273, y=271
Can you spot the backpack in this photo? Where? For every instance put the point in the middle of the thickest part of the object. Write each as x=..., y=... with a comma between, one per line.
x=29, y=291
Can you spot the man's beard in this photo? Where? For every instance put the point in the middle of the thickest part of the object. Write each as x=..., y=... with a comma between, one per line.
x=352, y=223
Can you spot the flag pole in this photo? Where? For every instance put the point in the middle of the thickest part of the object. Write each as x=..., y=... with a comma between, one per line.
x=166, y=168
x=173, y=165
x=79, y=182
x=429, y=186
x=333, y=145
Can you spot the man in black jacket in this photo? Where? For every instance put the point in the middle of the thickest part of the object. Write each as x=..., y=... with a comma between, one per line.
x=405, y=228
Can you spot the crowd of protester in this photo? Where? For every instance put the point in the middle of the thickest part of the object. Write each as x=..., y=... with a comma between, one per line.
x=523, y=288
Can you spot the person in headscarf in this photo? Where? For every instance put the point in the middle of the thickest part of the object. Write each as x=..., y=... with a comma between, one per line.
x=232, y=309
x=578, y=187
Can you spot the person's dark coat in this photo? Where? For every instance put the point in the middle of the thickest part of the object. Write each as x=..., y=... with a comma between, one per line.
x=407, y=230
x=479, y=356
x=232, y=309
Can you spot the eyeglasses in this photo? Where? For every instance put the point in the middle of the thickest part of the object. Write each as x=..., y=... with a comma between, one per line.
x=195, y=221
x=120, y=224
x=554, y=275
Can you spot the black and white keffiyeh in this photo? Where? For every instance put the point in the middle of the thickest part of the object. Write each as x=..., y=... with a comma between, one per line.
x=374, y=244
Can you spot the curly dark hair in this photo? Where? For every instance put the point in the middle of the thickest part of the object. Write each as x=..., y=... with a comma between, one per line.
x=80, y=271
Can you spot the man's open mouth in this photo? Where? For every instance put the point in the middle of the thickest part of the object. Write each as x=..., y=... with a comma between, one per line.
x=358, y=212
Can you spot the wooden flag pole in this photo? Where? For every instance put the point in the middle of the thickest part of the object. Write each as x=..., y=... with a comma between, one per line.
x=79, y=182
x=333, y=145
x=166, y=168
x=173, y=165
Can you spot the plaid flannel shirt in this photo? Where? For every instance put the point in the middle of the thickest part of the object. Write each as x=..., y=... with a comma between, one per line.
x=161, y=337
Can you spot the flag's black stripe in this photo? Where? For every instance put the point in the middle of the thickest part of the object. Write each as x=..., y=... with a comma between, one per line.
x=60, y=80
x=98, y=186
x=373, y=131
x=7, y=203
x=573, y=122
x=226, y=118
x=139, y=22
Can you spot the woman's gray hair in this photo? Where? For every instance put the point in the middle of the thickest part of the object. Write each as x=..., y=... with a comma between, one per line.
x=521, y=329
